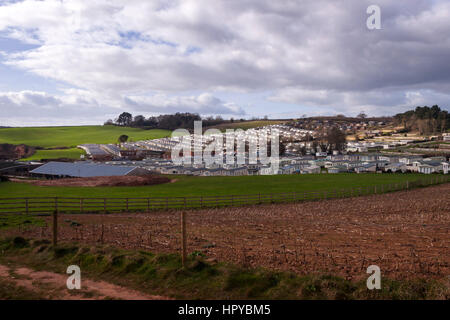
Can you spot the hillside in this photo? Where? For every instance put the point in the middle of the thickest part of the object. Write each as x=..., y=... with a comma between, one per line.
x=424, y=120
x=246, y=124
x=70, y=137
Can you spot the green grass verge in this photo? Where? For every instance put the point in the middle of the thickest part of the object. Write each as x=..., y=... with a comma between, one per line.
x=210, y=186
x=71, y=153
x=54, y=137
x=10, y=221
x=162, y=274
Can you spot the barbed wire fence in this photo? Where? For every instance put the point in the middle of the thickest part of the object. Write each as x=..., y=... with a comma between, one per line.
x=172, y=227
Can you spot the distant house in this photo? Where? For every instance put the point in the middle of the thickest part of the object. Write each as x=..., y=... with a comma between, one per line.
x=410, y=159
x=84, y=170
x=310, y=169
x=369, y=167
x=446, y=137
x=235, y=172
x=396, y=167
x=337, y=169
x=430, y=167
x=96, y=152
x=267, y=170
x=445, y=167
x=426, y=169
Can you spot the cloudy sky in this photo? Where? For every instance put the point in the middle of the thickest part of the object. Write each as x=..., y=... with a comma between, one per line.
x=82, y=61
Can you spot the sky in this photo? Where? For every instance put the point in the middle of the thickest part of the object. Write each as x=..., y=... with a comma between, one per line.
x=71, y=62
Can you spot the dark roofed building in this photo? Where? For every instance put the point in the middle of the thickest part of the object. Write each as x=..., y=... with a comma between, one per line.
x=85, y=169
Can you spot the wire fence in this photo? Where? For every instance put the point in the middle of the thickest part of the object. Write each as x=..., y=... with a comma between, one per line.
x=292, y=239
x=36, y=205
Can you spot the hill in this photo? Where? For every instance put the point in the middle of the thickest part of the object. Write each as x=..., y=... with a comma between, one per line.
x=70, y=137
x=424, y=120
x=244, y=125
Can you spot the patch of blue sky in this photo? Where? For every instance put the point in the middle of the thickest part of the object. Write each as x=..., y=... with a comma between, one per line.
x=129, y=38
x=192, y=50
x=9, y=45
x=14, y=79
x=8, y=2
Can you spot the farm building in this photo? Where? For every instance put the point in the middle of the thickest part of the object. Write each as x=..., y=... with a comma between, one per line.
x=84, y=170
x=17, y=168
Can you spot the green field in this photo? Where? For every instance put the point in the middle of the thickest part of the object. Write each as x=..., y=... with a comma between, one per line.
x=210, y=186
x=57, y=137
x=71, y=153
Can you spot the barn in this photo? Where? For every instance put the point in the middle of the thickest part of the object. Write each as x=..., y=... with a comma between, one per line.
x=54, y=170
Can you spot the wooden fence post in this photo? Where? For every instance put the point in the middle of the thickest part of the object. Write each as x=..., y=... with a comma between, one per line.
x=104, y=205
x=183, y=239
x=26, y=205
x=81, y=205
x=55, y=224
x=127, y=203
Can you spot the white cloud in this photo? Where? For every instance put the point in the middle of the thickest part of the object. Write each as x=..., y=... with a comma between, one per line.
x=316, y=53
x=81, y=107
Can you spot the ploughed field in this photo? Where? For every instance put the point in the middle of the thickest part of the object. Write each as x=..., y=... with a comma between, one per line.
x=406, y=233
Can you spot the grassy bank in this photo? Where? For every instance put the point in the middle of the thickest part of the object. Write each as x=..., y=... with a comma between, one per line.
x=185, y=186
x=71, y=153
x=202, y=279
x=54, y=137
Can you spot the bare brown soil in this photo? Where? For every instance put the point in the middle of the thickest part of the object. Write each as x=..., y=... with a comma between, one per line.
x=54, y=286
x=119, y=181
x=407, y=234
x=13, y=152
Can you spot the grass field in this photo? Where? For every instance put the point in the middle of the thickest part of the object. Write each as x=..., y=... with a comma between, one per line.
x=57, y=137
x=209, y=186
x=71, y=153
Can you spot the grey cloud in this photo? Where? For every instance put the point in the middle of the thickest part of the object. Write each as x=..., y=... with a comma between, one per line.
x=74, y=107
x=203, y=104
x=316, y=53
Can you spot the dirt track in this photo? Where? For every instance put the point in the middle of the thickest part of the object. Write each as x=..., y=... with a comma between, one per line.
x=54, y=286
x=407, y=234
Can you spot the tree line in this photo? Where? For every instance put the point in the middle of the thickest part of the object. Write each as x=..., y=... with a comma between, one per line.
x=166, y=121
x=425, y=120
